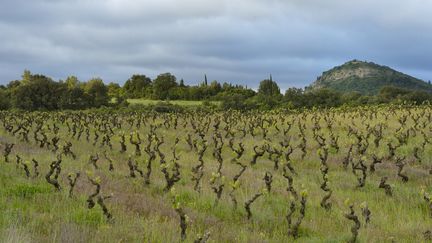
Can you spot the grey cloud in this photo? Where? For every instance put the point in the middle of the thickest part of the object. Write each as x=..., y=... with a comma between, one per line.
x=241, y=41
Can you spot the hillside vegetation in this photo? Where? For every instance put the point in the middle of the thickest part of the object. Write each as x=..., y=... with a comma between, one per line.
x=352, y=84
x=366, y=78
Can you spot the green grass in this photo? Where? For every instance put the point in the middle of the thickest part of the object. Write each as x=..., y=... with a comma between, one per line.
x=186, y=103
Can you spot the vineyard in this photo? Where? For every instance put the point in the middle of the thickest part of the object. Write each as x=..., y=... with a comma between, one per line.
x=331, y=175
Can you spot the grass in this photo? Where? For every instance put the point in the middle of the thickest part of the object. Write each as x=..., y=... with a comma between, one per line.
x=186, y=103
x=31, y=208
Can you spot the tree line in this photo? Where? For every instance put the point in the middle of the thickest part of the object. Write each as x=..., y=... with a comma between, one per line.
x=39, y=92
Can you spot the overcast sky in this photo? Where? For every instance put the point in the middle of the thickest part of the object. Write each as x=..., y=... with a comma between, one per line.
x=239, y=41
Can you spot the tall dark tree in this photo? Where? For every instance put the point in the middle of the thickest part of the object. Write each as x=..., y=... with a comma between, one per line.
x=182, y=84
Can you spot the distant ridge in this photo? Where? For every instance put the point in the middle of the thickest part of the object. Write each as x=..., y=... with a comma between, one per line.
x=366, y=78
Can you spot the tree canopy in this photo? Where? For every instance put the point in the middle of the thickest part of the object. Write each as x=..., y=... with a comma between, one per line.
x=138, y=86
x=39, y=92
x=268, y=87
x=162, y=85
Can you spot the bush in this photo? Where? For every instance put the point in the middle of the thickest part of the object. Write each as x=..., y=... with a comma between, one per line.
x=4, y=100
x=234, y=102
x=165, y=107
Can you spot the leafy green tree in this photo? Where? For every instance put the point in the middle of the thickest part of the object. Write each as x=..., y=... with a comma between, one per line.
x=116, y=94
x=13, y=84
x=269, y=88
x=114, y=90
x=162, y=85
x=196, y=93
x=417, y=96
x=323, y=98
x=215, y=87
x=4, y=99
x=295, y=97
x=179, y=93
x=97, y=93
x=390, y=93
x=393, y=94
x=72, y=82
x=234, y=102
x=269, y=95
x=137, y=86
x=36, y=92
x=73, y=97
x=20, y=98
x=354, y=98
x=26, y=77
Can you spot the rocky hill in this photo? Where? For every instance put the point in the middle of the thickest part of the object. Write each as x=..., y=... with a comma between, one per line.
x=367, y=78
